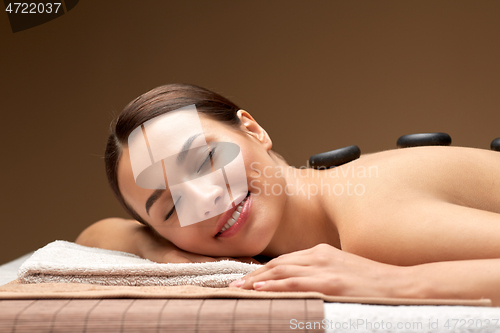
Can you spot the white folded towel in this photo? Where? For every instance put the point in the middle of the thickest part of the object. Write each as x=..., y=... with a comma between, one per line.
x=67, y=262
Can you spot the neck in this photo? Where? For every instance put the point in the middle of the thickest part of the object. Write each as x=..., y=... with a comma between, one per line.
x=308, y=216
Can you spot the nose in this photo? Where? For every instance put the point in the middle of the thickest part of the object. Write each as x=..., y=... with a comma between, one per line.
x=206, y=200
x=208, y=212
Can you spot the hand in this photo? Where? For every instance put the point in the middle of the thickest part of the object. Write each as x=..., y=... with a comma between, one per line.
x=328, y=270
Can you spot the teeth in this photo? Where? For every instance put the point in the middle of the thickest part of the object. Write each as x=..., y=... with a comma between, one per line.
x=231, y=221
x=228, y=224
x=234, y=217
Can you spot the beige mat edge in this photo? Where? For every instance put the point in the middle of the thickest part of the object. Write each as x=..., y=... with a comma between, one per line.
x=16, y=290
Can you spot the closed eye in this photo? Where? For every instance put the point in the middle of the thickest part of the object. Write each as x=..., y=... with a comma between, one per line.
x=172, y=210
x=209, y=157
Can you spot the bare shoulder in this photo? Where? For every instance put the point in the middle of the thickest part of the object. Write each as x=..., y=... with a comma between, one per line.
x=112, y=233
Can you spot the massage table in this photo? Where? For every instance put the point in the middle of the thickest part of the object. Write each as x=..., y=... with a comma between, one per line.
x=231, y=315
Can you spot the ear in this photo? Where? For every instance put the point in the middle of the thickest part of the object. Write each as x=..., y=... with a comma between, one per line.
x=251, y=127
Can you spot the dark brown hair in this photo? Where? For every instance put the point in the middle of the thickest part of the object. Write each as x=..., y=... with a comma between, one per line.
x=152, y=104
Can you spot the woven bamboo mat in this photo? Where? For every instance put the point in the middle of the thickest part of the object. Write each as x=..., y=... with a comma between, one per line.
x=16, y=290
x=159, y=315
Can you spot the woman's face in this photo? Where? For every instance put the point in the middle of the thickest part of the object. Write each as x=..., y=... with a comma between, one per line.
x=251, y=231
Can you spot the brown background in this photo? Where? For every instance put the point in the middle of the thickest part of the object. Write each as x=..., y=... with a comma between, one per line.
x=318, y=75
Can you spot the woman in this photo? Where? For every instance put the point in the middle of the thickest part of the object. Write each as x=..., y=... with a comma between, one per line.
x=415, y=223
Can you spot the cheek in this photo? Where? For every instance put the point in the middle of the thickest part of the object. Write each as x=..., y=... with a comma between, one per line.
x=266, y=179
x=185, y=238
x=256, y=164
x=267, y=185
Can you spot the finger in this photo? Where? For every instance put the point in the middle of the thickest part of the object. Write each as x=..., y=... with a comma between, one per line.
x=290, y=284
x=276, y=273
x=295, y=254
x=304, y=257
x=300, y=258
x=297, y=260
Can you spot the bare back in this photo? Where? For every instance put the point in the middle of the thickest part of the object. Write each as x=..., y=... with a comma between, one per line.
x=425, y=204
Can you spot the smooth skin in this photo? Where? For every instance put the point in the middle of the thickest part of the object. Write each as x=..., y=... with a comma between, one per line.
x=425, y=223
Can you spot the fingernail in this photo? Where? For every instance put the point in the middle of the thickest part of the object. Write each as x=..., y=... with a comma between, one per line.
x=237, y=283
x=258, y=285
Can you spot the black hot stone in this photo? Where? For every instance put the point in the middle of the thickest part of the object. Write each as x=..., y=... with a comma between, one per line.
x=335, y=157
x=424, y=139
x=495, y=144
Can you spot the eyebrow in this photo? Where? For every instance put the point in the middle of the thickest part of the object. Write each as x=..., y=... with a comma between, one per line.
x=185, y=148
x=182, y=155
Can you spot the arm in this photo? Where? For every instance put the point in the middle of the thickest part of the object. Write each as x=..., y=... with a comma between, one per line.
x=423, y=249
x=331, y=271
x=464, y=279
x=114, y=234
x=418, y=231
x=132, y=237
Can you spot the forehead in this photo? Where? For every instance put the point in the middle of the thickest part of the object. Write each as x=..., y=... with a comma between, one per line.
x=161, y=137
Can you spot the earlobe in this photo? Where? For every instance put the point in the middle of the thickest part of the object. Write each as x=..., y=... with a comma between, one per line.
x=254, y=129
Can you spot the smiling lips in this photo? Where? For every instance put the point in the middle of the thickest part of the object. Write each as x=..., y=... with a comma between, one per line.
x=233, y=216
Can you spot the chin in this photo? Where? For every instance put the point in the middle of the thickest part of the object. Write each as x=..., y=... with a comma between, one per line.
x=264, y=228
x=253, y=248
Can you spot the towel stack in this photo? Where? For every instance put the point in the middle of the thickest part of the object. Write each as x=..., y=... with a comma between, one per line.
x=67, y=262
